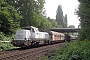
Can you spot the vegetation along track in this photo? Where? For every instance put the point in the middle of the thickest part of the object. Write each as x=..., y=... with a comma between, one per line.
x=29, y=54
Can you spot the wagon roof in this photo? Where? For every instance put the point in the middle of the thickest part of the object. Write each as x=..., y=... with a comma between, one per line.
x=65, y=29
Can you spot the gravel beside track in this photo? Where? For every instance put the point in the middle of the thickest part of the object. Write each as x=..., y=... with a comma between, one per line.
x=29, y=54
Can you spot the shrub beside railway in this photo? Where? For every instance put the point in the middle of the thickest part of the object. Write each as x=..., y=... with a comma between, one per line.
x=73, y=51
x=6, y=46
x=5, y=42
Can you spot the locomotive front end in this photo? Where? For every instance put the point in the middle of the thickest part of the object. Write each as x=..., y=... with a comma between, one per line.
x=22, y=37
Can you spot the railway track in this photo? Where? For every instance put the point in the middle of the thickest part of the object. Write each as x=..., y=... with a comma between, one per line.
x=29, y=54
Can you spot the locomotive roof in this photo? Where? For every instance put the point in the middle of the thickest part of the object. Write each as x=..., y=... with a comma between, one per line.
x=28, y=27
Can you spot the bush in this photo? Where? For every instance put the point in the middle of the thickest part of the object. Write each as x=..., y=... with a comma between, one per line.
x=6, y=45
x=75, y=51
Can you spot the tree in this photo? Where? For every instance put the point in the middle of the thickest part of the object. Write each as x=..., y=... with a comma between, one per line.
x=31, y=10
x=44, y=24
x=59, y=16
x=84, y=14
x=9, y=18
x=71, y=26
x=65, y=21
x=54, y=23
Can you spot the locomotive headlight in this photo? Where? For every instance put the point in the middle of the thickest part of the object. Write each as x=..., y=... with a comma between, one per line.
x=25, y=43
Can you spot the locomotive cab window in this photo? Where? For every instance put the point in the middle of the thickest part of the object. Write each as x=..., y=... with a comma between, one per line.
x=33, y=30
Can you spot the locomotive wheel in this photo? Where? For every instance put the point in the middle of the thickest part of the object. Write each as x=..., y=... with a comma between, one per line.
x=46, y=42
x=36, y=44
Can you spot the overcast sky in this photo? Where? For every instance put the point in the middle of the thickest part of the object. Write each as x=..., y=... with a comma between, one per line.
x=68, y=7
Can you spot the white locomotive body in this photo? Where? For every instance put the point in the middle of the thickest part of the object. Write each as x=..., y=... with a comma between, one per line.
x=22, y=34
x=30, y=36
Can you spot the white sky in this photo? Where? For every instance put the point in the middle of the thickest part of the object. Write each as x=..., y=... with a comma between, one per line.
x=68, y=7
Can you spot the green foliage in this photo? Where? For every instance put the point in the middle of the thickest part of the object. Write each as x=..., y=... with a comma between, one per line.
x=4, y=37
x=33, y=13
x=54, y=23
x=1, y=35
x=9, y=18
x=65, y=21
x=84, y=14
x=59, y=15
x=6, y=45
x=31, y=10
x=71, y=26
x=61, y=20
x=44, y=24
x=74, y=51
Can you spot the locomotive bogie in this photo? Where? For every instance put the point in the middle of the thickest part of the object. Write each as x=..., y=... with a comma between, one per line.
x=30, y=37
